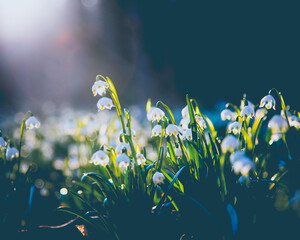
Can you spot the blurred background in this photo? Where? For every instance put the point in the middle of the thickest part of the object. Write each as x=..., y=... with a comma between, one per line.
x=51, y=51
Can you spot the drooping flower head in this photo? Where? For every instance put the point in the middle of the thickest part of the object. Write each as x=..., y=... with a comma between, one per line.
x=140, y=158
x=247, y=112
x=11, y=153
x=156, y=114
x=234, y=127
x=227, y=114
x=156, y=131
x=122, y=161
x=158, y=178
x=187, y=135
x=294, y=121
x=32, y=122
x=119, y=149
x=241, y=163
x=100, y=158
x=184, y=123
x=104, y=103
x=185, y=112
x=2, y=143
x=172, y=129
x=268, y=102
x=278, y=124
x=230, y=143
x=201, y=122
x=99, y=87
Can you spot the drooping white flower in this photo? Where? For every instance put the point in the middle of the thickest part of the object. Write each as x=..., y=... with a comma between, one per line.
x=294, y=121
x=278, y=124
x=32, y=122
x=158, y=178
x=99, y=87
x=261, y=112
x=187, y=135
x=121, y=146
x=227, y=114
x=11, y=153
x=185, y=112
x=140, y=158
x=2, y=143
x=234, y=127
x=104, y=103
x=127, y=131
x=268, y=102
x=249, y=104
x=184, y=123
x=100, y=158
x=242, y=164
x=230, y=143
x=156, y=114
x=156, y=131
x=236, y=155
x=172, y=129
x=247, y=112
x=122, y=161
x=201, y=122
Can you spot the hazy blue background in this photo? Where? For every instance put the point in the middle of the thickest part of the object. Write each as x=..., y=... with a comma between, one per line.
x=51, y=51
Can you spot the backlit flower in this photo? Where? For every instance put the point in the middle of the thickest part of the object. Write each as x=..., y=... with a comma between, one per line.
x=234, y=127
x=156, y=131
x=230, y=143
x=122, y=161
x=268, y=102
x=104, y=103
x=99, y=87
x=249, y=104
x=156, y=114
x=227, y=114
x=185, y=112
x=247, y=112
x=32, y=122
x=184, y=123
x=158, y=178
x=201, y=122
x=100, y=158
x=2, y=143
x=294, y=121
x=278, y=124
x=242, y=164
x=187, y=135
x=140, y=158
x=172, y=130
x=11, y=153
x=123, y=147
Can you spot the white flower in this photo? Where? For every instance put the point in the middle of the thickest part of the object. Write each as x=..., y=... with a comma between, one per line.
x=11, y=153
x=158, y=178
x=172, y=130
x=227, y=114
x=230, y=143
x=261, y=112
x=234, y=127
x=99, y=87
x=184, y=123
x=104, y=102
x=122, y=161
x=201, y=122
x=247, y=112
x=121, y=146
x=294, y=121
x=249, y=104
x=2, y=143
x=236, y=155
x=187, y=135
x=268, y=102
x=127, y=131
x=156, y=114
x=140, y=158
x=242, y=164
x=100, y=158
x=185, y=112
x=32, y=122
x=156, y=131
x=278, y=124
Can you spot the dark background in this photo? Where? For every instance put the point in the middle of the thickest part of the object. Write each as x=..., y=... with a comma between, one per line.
x=212, y=50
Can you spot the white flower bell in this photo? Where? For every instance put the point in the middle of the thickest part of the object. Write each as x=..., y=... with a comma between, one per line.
x=122, y=161
x=278, y=124
x=104, y=103
x=187, y=135
x=185, y=112
x=201, y=122
x=140, y=158
x=99, y=87
x=11, y=153
x=268, y=102
x=121, y=146
x=294, y=121
x=2, y=143
x=230, y=143
x=32, y=122
x=156, y=131
x=100, y=158
x=158, y=178
x=184, y=123
x=156, y=114
x=247, y=112
x=242, y=164
x=234, y=127
x=227, y=114
x=172, y=129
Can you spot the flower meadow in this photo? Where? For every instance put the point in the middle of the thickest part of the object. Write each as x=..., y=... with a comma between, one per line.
x=131, y=174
